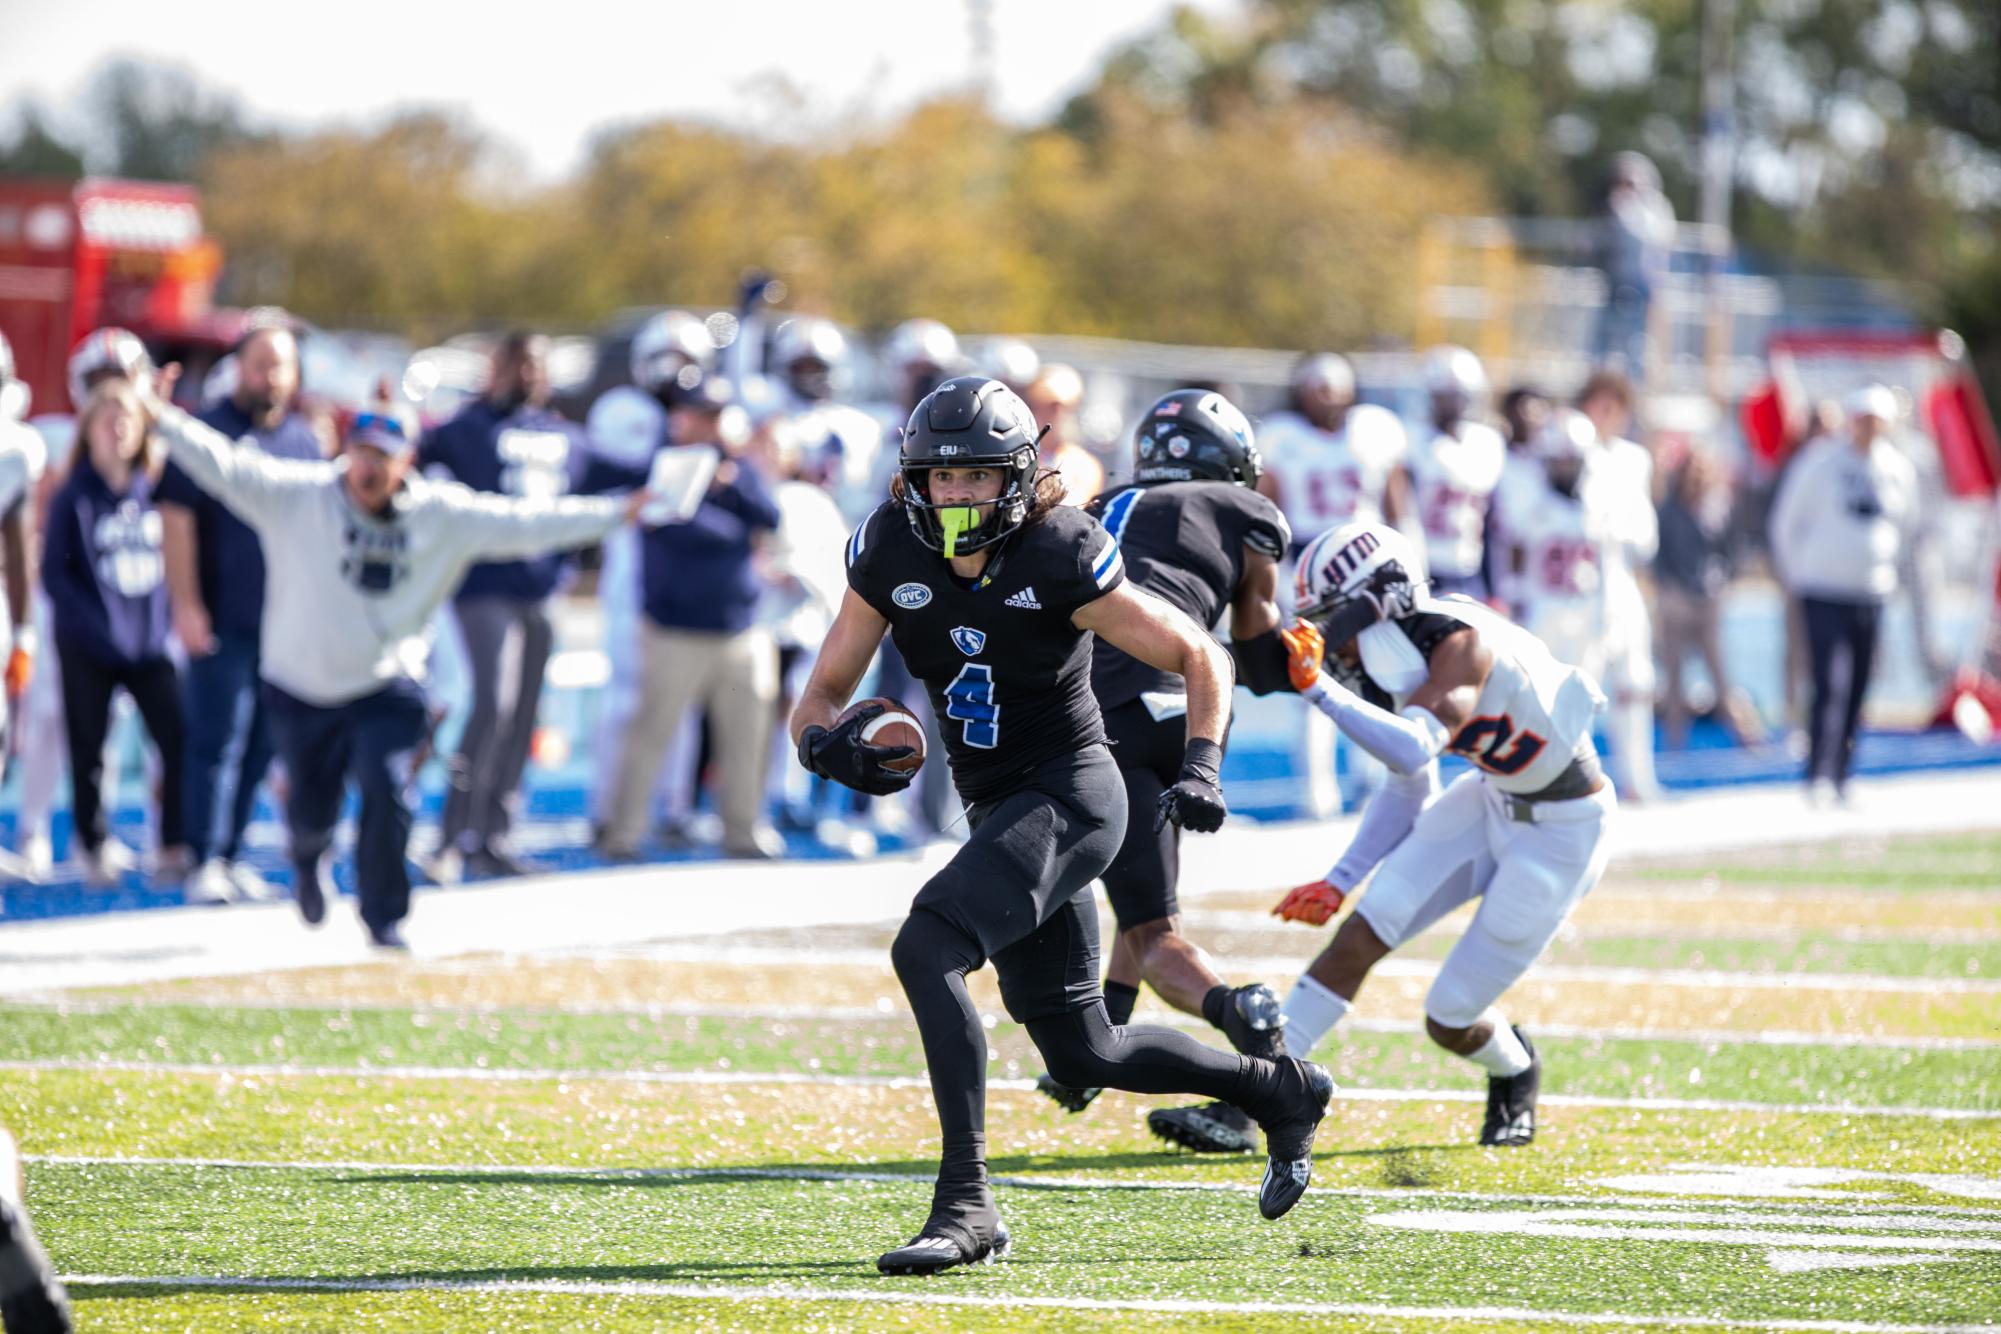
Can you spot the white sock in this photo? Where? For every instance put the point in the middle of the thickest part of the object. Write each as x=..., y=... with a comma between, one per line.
x=1310, y=1011
x=1504, y=1054
x=1633, y=743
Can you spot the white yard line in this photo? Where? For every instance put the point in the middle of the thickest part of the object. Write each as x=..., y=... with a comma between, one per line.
x=887, y=1292
x=559, y=1172
x=502, y=1075
x=896, y=1012
x=696, y=952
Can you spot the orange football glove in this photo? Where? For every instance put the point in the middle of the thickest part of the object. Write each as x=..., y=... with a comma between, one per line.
x=1312, y=904
x=1304, y=650
x=20, y=669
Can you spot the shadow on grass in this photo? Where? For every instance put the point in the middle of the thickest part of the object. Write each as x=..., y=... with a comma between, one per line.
x=1024, y=1169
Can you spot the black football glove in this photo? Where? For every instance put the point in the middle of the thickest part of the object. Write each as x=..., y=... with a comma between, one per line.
x=1196, y=799
x=840, y=753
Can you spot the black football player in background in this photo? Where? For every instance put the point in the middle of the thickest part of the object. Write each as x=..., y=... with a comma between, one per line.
x=1194, y=531
x=992, y=590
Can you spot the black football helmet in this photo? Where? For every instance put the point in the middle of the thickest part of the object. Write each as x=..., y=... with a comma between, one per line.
x=969, y=421
x=1196, y=435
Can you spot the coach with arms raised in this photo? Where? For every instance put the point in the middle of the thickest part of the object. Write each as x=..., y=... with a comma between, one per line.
x=215, y=578
x=359, y=553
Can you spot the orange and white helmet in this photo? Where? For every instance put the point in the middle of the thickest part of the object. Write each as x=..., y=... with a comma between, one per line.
x=1352, y=576
x=113, y=350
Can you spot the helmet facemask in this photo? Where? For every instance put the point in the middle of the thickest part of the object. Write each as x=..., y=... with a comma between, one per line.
x=960, y=529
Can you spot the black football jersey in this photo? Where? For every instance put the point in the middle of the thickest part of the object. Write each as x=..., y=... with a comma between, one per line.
x=1008, y=674
x=1183, y=542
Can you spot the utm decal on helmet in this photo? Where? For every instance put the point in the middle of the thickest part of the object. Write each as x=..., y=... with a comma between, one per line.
x=1355, y=582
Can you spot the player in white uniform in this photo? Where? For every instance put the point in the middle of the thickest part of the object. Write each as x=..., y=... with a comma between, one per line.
x=840, y=446
x=1410, y=677
x=1452, y=472
x=1330, y=460
x=1629, y=678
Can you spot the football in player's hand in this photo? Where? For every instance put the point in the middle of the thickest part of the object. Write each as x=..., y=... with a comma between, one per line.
x=894, y=726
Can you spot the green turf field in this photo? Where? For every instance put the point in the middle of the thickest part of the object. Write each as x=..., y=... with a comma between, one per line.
x=1774, y=1100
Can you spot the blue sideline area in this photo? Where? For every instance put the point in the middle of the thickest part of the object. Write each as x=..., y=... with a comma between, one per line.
x=1262, y=782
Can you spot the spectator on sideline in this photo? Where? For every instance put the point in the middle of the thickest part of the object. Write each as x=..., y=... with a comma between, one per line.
x=22, y=455
x=700, y=643
x=1055, y=396
x=510, y=443
x=101, y=355
x=215, y=581
x=1627, y=470
x=359, y=555
x=1838, y=528
x=105, y=577
x=1638, y=241
x=1691, y=571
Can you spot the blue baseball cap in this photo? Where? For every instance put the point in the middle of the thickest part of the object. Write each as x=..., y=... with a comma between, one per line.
x=379, y=430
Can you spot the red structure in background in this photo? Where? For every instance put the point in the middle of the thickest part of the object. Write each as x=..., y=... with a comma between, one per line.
x=78, y=255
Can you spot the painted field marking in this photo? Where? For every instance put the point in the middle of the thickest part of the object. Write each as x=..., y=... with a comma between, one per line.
x=1792, y=1183
x=561, y=1172
x=888, y=1010
x=1708, y=979
x=1247, y=919
x=1726, y=1228
x=502, y=1075
x=890, y=1292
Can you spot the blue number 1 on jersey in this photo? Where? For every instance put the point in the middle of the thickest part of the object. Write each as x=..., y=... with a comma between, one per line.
x=970, y=699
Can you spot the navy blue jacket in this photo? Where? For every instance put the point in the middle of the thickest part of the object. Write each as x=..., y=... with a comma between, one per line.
x=698, y=575
x=102, y=567
x=529, y=452
x=229, y=557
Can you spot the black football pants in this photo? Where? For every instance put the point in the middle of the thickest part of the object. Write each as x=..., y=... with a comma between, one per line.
x=1018, y=893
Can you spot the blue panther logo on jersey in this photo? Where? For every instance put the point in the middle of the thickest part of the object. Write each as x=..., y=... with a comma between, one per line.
x=968, y=640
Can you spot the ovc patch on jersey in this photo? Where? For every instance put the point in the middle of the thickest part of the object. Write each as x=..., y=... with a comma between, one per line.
x=910, y=596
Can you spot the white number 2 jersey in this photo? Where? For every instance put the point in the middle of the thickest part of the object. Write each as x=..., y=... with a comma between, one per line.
x=1328, y=478
x=1534, y=713
x=1452, y=482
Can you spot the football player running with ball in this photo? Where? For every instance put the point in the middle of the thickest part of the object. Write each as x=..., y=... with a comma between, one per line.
x=992, y=591
x=1192, y=530
x=1408, y=678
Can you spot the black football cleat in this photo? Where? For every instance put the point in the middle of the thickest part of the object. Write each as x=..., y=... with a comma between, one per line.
x=1510, y=1121
x=1213, y=1127
x=1069, y=1099
x=934, y=1250
x=1305, y=1088
x=1254, y=1021
x=32, y=1300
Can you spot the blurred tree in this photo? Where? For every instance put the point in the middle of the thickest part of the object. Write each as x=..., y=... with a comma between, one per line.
x=35, y=150
x=392, y=228
x=158, y=123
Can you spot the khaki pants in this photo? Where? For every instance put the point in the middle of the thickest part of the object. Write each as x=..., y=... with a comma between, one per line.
x=733, y=676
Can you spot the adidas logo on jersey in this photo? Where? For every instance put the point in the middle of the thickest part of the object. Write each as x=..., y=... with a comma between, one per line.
x=1024, y=599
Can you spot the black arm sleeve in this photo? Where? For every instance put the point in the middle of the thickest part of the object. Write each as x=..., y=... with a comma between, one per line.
x=1261, y=664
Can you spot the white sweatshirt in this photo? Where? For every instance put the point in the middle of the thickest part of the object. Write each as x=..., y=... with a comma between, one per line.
x=348, y=596
x=1839, y=522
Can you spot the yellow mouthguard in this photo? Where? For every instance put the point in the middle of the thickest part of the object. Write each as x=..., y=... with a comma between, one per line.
x=957, y=519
